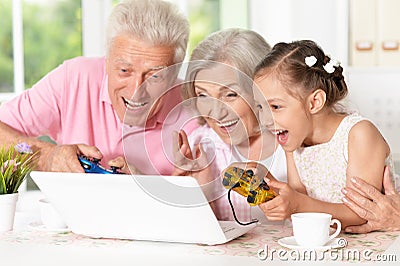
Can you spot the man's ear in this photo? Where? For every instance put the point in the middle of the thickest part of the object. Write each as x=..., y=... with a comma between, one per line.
x=316, y=101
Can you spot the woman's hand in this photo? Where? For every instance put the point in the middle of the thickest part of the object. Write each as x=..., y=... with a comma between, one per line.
x=189, y=164
x=382, y=211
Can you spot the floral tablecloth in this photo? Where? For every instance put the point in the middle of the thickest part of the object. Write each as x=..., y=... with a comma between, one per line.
x=360, y=247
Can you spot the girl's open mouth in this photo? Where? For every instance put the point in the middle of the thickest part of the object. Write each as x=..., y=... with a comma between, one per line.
x=281, y=136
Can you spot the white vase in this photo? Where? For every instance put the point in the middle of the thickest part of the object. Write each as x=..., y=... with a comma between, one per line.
x=8, y=203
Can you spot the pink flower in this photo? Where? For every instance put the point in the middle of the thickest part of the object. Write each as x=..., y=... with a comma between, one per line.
x=23, y=148
x=6, y=165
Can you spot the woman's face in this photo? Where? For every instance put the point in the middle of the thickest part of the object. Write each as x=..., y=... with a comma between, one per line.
x=224, y=104
x=291, y=121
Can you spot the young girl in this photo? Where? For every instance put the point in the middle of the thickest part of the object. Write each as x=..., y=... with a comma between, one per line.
x=324, y=147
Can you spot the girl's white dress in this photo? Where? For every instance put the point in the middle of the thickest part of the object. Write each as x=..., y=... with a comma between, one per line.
x=322, y=168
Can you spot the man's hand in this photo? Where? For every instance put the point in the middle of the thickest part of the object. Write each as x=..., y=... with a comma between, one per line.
x=123, y=166
x=382, y=211
x=64, y=158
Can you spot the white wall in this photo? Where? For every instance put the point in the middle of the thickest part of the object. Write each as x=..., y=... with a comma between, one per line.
x=325, y=22
x=375, y=92
x=94, y=20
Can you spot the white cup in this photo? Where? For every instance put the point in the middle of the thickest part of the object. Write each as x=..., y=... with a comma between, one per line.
x=51, y=219
x=311, y=229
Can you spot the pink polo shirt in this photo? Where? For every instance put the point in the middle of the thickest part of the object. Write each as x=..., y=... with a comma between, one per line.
x=71, y=105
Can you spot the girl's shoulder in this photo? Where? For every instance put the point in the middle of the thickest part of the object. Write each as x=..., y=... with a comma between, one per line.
x=360, y=127
x=364, y=133
x=352, y=121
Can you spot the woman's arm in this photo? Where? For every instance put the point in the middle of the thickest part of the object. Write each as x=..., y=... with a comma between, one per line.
x=382, y=211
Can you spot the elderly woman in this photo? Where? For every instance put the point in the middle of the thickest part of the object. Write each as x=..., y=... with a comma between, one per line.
x=85, y=104
x=219, y=86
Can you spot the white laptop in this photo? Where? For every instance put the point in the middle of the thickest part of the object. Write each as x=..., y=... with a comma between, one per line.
x=156, y=208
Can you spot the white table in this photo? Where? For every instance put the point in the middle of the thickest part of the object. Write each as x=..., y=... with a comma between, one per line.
x=27, y=246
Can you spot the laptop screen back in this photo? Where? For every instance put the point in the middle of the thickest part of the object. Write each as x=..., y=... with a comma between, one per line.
x=158, y=208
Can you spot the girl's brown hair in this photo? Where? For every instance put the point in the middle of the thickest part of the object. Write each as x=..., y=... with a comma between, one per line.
x=287, y=62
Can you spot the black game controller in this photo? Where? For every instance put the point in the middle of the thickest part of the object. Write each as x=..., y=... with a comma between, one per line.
x=93, y=166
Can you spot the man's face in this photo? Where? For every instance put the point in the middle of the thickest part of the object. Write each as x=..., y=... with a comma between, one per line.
x=130, y=63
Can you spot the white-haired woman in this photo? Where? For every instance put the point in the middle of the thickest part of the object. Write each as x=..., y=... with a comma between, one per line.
x=219, y=85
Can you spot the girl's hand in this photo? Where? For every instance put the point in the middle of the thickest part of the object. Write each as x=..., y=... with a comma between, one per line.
x=283, y=205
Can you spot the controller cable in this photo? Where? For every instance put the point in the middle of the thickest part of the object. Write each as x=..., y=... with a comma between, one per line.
x=233, y=210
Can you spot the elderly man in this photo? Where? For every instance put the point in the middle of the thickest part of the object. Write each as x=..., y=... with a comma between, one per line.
x=82, y=104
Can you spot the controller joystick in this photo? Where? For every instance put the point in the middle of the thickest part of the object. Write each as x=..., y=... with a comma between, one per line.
x=248, y=185
x=92, y=165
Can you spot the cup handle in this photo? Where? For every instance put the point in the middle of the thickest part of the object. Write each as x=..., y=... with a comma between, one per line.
x=338, y=228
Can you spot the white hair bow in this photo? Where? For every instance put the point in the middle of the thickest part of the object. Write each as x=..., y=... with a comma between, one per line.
x=330, y=66
x=310, y=60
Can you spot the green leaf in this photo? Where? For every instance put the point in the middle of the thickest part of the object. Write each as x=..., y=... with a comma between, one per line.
x=14, y=167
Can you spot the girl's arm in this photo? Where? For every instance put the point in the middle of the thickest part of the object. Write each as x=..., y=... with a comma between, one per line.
x=290, y=201
x=293, y=198
x=367, y=152
x=381, y=210
x=292, y=174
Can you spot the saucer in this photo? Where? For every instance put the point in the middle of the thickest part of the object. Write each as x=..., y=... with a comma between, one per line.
x=290, y=242
x=40, y=227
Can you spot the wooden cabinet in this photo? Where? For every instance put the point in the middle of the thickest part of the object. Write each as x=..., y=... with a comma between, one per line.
x=374, y=32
